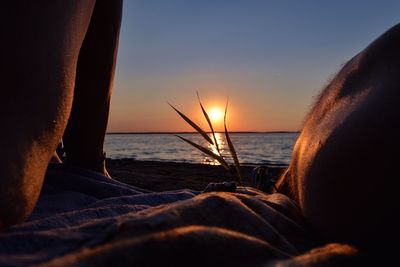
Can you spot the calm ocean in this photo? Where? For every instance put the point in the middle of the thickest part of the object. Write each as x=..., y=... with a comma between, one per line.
x=252, y=148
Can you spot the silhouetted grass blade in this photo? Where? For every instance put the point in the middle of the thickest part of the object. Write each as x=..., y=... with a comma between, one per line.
x=232, y=148
x=194, y=125
x=209, y=123
x=208, y=152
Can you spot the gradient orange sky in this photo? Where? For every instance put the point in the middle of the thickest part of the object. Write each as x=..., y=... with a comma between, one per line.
x=269, y=57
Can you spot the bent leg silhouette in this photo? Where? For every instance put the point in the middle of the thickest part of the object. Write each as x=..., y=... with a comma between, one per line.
x=40, y=52
x=343, y=170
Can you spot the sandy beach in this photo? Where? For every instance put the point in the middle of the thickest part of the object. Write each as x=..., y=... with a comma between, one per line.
x=161, y=176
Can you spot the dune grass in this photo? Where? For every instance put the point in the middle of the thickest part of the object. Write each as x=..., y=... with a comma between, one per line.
x=217, y=156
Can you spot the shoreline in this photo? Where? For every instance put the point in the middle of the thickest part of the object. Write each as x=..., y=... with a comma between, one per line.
x=220, y=132
x=163, y=175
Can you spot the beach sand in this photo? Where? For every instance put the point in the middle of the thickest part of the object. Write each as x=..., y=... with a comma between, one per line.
x=162, y=176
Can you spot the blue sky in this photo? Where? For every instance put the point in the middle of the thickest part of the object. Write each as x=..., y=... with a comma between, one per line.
x=269, y=57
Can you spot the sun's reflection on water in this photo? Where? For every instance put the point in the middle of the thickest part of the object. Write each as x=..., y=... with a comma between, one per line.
x=221, y=146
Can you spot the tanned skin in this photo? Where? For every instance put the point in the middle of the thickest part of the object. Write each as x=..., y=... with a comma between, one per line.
x=84, y=135
x=343, y=172
x=43, y=57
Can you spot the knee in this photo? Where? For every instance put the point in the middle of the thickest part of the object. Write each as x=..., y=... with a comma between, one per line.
x=343, y=162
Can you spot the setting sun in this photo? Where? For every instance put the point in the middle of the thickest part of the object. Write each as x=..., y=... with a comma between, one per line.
x=216, y=115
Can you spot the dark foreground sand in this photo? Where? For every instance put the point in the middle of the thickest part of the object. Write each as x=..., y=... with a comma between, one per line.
x=161, y=176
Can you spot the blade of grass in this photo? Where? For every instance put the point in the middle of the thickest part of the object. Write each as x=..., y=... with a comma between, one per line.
x=209, y=123
x=206, y=151
x=232, y=148
x=194, y=125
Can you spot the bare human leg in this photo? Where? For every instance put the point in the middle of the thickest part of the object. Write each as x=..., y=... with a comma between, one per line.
x=343, y=171
x=40, y=47
x=84, y=136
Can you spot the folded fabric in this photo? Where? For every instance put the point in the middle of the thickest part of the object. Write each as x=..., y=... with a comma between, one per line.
x=77, y=208
x=83, y=218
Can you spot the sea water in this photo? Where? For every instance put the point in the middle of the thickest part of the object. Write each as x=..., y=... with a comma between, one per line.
x=251, y=148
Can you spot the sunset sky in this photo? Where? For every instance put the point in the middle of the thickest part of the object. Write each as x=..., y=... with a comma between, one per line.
x=269, y=57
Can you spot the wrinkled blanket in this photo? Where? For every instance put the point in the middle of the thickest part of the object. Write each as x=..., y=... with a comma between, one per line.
x=85, y=219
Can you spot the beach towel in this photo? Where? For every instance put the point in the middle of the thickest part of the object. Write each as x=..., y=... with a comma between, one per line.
x=83, y=218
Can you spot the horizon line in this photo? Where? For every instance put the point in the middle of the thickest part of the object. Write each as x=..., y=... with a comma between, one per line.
x=194, y=132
